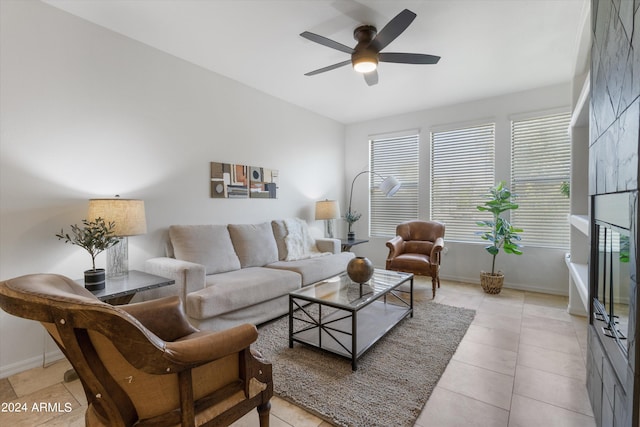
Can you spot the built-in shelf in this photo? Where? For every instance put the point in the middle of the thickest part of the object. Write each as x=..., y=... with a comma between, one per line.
x=581, y=223
x=580, y=115
x=580, y=279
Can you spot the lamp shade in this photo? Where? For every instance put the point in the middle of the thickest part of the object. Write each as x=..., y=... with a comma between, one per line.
x=327, y=209
x=389, y=186
x=127, y=214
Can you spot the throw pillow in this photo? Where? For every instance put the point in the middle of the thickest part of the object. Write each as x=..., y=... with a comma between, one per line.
x=280, y=233
x=300, y=244
x=254, y=244
x=209, y=245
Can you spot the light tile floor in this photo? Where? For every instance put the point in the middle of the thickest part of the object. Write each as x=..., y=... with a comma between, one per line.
x=521, y=364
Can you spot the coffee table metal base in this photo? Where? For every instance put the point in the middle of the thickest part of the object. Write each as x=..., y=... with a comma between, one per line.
x=348, y=333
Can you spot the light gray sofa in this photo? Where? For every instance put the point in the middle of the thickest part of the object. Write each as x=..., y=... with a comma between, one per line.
x=242, y=273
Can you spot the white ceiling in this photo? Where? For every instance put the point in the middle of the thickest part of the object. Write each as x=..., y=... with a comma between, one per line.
x=488, y=47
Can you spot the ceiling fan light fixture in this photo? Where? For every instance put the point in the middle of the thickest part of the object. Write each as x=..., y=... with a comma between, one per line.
x=365, y=65
x=364, y=61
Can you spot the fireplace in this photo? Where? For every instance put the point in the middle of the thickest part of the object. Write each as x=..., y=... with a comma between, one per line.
x=612, y=360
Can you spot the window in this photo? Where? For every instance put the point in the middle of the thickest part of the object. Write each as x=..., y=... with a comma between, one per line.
x=462, y=172
x=540, y=163
x=396, y=156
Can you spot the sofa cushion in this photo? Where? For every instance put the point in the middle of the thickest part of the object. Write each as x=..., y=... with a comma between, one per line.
x=316, y=269
x=234, y=290
x=254, y=244
x=209, y=245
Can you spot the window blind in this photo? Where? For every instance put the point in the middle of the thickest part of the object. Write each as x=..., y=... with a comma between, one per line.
x=398, y=157
x=462, y=171
x=540, y=162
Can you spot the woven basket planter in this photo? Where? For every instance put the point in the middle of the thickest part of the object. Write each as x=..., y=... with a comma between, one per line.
x=491, y=283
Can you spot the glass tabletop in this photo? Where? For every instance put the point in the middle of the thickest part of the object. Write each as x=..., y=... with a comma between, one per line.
x=341, y=291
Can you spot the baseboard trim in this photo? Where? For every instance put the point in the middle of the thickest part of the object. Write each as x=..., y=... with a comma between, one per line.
x=509, y=285
x=30, y=363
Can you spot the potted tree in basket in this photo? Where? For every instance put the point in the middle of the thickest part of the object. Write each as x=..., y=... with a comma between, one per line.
x=501, y=234
x=94, y=237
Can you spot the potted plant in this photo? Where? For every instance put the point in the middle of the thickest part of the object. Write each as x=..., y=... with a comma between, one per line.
x=501, y=234
x=351, y=217
x=94, y=237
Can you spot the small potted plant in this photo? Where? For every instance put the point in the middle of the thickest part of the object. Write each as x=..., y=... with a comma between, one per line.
x=94, y=237
x=351, y=217
x=501, y=234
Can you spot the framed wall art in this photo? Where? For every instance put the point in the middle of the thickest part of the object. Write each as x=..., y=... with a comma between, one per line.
x=234, y=181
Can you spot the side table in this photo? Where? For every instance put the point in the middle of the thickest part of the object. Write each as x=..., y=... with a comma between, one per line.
x=347, y=244
x=120, y=290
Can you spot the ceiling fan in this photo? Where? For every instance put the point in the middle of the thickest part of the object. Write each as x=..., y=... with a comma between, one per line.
x=366, y=55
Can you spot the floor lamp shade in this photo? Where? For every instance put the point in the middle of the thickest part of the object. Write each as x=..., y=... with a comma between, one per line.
x=129, y=218
x=328, y=210
x=389, y=186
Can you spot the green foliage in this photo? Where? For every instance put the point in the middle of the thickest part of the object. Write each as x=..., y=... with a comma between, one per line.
x=352, y=216
x=565, y=189
x=94, y=237
x=501, y=234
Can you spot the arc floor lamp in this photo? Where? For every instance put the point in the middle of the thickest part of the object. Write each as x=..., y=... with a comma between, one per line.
x=389, y=186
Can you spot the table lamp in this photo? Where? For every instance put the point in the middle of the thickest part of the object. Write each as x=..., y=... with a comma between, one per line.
x=129, y=219
x=328, y=210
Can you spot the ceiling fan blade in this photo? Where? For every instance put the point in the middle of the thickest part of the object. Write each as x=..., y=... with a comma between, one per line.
x=326, y=42
x=393, y=29
x=408, y=58
x=371, y=77
x=328, y=68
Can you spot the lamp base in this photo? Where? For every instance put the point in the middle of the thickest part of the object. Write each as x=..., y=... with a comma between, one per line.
x=118, y=259
x=328, y=230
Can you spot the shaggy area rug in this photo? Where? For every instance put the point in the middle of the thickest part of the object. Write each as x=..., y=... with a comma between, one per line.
x=394, y=379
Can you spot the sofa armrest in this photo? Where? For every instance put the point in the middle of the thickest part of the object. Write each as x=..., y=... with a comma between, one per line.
x=189, y=276
x=329, y=245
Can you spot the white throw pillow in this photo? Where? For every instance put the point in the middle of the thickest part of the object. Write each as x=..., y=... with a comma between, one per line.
x=300, y=244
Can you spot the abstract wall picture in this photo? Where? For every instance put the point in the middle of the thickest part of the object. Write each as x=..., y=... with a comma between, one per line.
x=233, y=181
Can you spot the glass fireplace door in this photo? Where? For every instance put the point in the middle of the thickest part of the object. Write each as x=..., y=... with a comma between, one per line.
x=613, y=281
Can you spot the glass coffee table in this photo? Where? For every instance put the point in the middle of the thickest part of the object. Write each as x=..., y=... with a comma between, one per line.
x=346, y=318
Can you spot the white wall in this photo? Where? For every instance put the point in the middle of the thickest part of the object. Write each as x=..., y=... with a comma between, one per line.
x=88, y=113
x=539, y=269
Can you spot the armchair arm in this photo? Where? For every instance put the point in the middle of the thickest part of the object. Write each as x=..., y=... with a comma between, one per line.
x=164, y=317
x=329, y=245
x=206, y=346
x=188, y=276
x=435, y=251
x=396, y=247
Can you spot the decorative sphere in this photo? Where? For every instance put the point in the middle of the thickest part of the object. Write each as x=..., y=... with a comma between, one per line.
x=360, y=269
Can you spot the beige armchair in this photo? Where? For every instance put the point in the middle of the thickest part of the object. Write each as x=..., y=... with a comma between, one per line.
x=144, y=364
x=416, y=249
